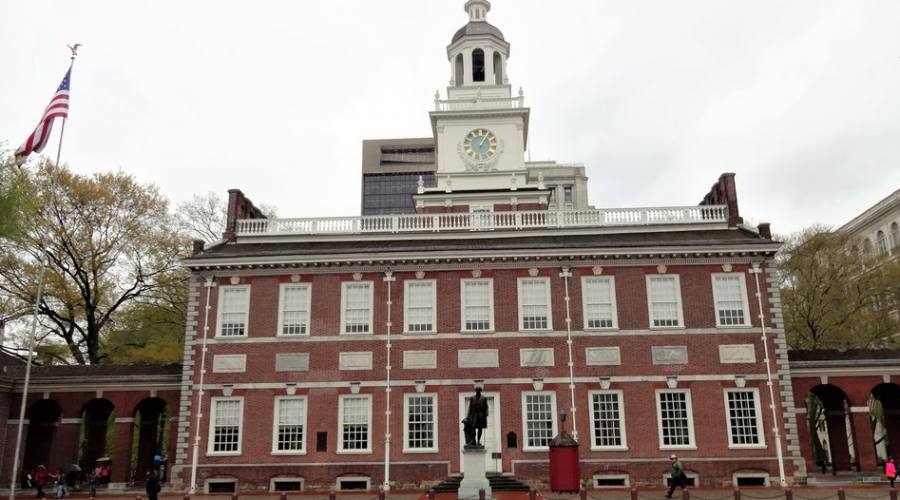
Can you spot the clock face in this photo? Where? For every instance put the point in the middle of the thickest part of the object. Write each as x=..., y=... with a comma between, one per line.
x=480, y=144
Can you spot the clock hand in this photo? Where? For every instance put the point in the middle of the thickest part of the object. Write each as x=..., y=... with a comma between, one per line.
x=483, y=139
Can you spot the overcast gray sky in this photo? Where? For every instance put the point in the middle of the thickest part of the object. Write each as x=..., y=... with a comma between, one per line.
x=800, y=99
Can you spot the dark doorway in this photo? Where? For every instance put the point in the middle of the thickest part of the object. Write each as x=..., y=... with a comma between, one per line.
x=151, y=425
x=43, y=422
x=98, y=420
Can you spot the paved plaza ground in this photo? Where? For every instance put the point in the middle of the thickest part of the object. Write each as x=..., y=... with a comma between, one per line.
x=855, y=492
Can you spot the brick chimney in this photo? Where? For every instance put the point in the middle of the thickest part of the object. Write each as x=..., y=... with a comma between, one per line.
x=724, y=192
x=239, y=207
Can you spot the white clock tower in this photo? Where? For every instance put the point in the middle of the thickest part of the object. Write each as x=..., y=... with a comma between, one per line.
x=481, y=128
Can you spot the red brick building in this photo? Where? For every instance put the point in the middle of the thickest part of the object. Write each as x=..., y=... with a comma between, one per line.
x=338, y=352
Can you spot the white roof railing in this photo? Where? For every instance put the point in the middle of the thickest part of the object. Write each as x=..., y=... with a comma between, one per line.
x=484, y=221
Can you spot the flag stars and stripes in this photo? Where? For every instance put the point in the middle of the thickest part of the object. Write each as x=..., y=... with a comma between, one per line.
x=58, y=108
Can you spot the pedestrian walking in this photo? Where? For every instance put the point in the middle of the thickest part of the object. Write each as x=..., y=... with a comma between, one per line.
x=60, y=480
x=678, y=478
x=890, y=470
x=152, y=485
x=41, y=476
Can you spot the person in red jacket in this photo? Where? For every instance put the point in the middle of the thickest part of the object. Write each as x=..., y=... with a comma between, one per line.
x=41, y=476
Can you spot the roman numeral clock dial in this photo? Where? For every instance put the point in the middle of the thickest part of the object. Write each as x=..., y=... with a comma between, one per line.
x=480, y=145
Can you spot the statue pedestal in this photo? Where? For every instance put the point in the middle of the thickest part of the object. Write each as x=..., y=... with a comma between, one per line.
x=474, y=477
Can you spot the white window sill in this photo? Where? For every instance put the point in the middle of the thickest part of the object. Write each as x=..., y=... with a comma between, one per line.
x=419, y=333
x=223, y=453
x=667, y=327
x=747, y=447
x=605, y=329
x=282, y=452
x=226, y=337
x=536, y=449
x=477, y=331
x=680, y=447
x=420, y=450
x=354, y=452
x=609, y=448
x=736, y=327
x=535, y=330
x=357, y=334
x=291, y=335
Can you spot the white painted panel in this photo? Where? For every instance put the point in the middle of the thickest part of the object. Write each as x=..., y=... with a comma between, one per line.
x=670, y=355
x=356, y=360
x=229, y=363
x=599, y=356
x=737, y=353
x=292, y=362
x=478, y=358
x=419, y=360
x=536, y=357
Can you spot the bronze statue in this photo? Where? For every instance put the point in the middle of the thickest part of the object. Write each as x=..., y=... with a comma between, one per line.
x=476, y=419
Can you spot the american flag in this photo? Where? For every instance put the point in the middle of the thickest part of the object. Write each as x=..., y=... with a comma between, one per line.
x=58, y=108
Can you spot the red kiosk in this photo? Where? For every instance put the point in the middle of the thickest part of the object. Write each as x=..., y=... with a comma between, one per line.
x=565, y=472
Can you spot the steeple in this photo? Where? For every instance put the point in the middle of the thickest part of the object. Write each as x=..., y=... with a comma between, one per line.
x=477, y=10
x=478, y=51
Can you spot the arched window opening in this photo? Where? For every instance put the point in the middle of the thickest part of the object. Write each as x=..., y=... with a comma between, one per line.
x=895, y=235
x=43, y=422
x=830, y=429
x=477, y=65
x=867, y=248
x=884, y=414
x=98, y=431
x=498, y=69
x=149, y=438
x=460, y=72
x=882, y=243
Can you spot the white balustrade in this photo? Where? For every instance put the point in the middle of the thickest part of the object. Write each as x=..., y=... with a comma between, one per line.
x=484, y=221
x=479, y=103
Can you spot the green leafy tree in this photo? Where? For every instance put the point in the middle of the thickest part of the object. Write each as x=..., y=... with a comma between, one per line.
x=111, y=248
x=15, y=196
x=835, y=298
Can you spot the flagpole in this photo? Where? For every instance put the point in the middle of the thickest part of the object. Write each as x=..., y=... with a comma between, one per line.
x=34, y=315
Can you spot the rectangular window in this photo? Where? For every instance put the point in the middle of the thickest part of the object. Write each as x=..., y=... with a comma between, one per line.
x=421, y=423
x=534, y=304
x=607, y=420
x=664, y=301
x=293, y=310
x=676, y=424
x=477, y=305
x=539, y=416
x=419, y=301
x=225, y=429
x=567, y=194
x=730, y=295
x=355, y=417
x=598, y=295
x=290, y=425
x=356, y=307
x=744, y=419
x=234, y=308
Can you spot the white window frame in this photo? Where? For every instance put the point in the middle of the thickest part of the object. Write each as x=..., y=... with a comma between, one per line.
x=340, y=425
x=277, y=402
x=406, y=296
x=462, y=302
x=624, y=477
x=680, y=305
x=220, y=480
x=549, y=327
x=692, y=437
x=286, y=479
x=748, y=322
x=434, y=429
x=612, y=296
x=219, y=310
x=737, y=475
x=367, y=479
x=553, y=412
x=281, y=296
x=624, y=445
x=213, y=408
x=344, y=286
x=760, y=430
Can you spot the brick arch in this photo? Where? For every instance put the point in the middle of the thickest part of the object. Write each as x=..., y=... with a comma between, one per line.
x=888, y=394
x=96, y=415
x=834, y=446
x=149, y=436
x=43, y=416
